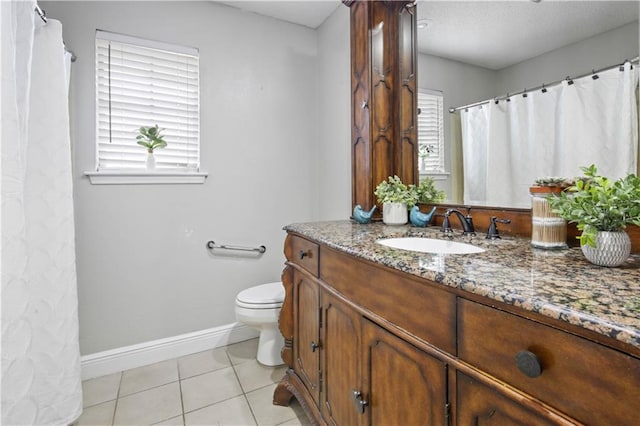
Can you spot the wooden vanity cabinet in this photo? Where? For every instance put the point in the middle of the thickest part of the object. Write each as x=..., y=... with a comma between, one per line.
x=341, y=363
x=403, y=385
x=306, y=331
x=375, y=346
x=347, y=369
x=384, y=135
x=478, y=404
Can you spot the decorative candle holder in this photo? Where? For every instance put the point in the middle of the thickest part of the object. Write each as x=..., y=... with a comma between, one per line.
x=548, y=229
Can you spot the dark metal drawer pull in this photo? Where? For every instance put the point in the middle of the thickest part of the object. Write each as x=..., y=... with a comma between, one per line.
x=529, y=364
x=302, y=254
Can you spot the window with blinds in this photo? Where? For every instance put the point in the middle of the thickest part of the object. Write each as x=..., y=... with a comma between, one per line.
x=143, y=83
x=430, y=131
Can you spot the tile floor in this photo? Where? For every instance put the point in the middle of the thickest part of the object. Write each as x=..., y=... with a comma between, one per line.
x=224, y=386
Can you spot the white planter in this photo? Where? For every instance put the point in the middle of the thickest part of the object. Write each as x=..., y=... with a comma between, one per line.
x=395, y=213
x=151, y=161
x=612, y=249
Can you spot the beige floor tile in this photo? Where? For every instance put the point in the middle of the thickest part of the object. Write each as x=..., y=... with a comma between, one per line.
x=209, y=388
x=150, y=406
x=97, y=415
x=243, y=351
x=234, y=411
x=173, y=421
x=149, y=376
x=101, y=389
x=253, y=375
x=267, y=414
x=203, y=362
x=300, y=419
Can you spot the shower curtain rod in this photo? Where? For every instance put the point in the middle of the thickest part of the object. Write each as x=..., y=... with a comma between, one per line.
x=544, y=86
x=42, y=14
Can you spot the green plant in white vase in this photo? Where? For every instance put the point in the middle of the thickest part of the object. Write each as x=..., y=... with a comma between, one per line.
x=601, y=208
x=151, y=138
x=396, y=198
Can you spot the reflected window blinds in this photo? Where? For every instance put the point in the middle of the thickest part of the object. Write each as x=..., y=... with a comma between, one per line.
x=430, y=131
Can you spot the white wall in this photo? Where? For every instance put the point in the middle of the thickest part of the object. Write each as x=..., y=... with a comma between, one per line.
x=334, y=144
x=600, y=51
x=143, y=270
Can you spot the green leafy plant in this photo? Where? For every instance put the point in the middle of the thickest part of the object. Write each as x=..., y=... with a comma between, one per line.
x=596, y=203
x=150, y=138
x=428, y=193
x=393, y=190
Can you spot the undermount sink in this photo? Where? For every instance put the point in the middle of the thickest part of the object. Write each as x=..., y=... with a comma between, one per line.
x=430, y=245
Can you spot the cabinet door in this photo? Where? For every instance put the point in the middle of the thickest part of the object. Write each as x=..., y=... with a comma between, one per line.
x=307, y=332
x=479, y=405
x=341, y=354
x=404, y=385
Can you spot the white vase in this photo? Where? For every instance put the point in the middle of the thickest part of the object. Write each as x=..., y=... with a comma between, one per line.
x=151, y=161
x=612, y=249
x=394, y=213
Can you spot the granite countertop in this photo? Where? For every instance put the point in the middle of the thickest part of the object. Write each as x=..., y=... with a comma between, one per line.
x=560, y=284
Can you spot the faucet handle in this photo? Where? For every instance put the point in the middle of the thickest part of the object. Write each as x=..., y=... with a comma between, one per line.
x=493, y=233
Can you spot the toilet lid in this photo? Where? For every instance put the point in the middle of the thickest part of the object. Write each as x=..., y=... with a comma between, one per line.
x=264, y=294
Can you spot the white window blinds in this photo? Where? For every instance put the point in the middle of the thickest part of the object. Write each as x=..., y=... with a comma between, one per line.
x=430, y=131
x=144, y=83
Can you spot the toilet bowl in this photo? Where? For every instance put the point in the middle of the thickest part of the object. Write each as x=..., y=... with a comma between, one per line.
x=259, y=307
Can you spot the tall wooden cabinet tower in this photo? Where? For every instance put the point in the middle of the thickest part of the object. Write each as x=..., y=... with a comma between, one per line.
x=384, y=140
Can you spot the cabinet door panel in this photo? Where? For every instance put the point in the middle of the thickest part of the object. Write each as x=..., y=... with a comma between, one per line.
x=404, y=385
x=307, y=332
x=341, y=366
x=478, y=405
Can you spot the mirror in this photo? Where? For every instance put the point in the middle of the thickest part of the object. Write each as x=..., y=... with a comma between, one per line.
x=475, y=51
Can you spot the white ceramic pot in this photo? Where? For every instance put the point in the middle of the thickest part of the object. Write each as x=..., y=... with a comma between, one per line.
x=151, y=161
x=612, y=249
x=395, y=213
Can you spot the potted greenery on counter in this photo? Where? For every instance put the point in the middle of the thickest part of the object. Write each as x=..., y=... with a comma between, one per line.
x=397, y=198
x=601, y=208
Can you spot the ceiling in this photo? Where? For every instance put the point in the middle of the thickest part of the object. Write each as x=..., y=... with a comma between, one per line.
x=490, y=34
x=310, y=13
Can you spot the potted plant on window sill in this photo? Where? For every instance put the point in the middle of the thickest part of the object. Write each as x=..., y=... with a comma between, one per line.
x=150, y=138
x=601, y=208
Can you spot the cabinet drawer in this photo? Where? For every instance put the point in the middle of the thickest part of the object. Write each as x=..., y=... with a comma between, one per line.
x=302, y=252
x=414, y=306
x=589, y=382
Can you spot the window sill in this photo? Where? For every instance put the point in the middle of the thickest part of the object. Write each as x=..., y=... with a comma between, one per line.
x=436, y=176
x=121, y=177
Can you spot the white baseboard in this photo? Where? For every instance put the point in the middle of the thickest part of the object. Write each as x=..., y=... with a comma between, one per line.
x=127, y=357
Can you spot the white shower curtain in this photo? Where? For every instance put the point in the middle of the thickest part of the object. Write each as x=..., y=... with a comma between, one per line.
x=510, y=144
x=41, y=382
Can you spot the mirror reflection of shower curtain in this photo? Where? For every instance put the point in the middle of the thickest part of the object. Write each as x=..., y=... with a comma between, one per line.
x=510, y=144
x=41, y=383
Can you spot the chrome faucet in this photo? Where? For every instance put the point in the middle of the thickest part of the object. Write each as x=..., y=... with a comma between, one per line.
x=465, y=221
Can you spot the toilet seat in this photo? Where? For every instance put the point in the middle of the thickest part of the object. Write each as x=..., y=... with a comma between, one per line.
x=265, y=296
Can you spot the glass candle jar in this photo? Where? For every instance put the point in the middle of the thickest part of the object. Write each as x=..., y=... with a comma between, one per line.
x=548, y=229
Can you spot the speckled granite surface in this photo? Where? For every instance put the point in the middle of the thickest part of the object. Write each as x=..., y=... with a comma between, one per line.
x=558, y=284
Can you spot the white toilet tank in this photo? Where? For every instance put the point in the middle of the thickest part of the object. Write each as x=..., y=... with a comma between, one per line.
x=264, y=296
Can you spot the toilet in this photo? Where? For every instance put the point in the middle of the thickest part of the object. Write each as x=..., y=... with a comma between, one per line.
x=259, y=307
